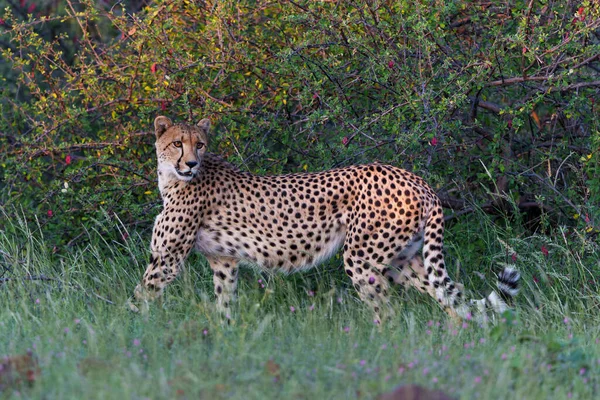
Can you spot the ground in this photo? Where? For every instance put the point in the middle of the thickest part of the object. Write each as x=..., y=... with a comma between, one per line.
x=301, y=337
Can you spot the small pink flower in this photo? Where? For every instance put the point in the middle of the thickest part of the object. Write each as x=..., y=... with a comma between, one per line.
x=31, y=9
x=513, y=257
x=345, y=140
x=425, y=371
x=401, y=370
x=566, y=321
x=136, y=342
x=465, y=325
x=50, y=213
x=292, y=309
x=434, y=379
x=582, y=371
x=37, y=301
x=68, y=159
x=77, y=321
x=163, y=105
x=346, y=329
x=371, y=280
x=477, y=379
x=312, y=307
x=363, y=363
x=205, y=332
x=390, y=64
x=504, y=356
x=544, y=251
x=67, y=330
x=434, y=141
x=315, y=96
x=153, y=68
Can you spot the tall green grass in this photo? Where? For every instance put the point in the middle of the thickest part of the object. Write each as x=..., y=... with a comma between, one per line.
x=303, y=336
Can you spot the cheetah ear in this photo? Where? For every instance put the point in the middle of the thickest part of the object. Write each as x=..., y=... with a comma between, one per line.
x=161, y=124
x=204, y=124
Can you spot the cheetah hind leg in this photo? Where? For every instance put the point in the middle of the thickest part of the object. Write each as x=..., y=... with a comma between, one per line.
x=412, y=273
x=371, y=286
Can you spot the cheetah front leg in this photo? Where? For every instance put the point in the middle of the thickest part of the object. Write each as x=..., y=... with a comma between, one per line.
x=172, y=241
x=225, y=275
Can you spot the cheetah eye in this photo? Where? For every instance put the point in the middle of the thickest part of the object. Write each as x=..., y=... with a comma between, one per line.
x=177, y=143
x=199, y=145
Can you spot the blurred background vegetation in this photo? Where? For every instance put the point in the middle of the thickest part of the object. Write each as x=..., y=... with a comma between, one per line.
x=495, y=103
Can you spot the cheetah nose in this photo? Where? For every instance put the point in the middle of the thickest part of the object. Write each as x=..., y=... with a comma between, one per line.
x=191, y=164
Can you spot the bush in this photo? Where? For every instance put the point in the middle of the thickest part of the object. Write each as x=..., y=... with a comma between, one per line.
x=494, y=104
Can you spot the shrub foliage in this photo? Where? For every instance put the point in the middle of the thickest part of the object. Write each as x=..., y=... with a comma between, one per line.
x=496, y=104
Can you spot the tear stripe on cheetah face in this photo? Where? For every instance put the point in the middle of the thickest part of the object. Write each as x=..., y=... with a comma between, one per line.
x=381, y=216
x=179, y=149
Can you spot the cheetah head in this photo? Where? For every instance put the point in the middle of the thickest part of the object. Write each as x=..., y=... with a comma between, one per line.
x=180, y=148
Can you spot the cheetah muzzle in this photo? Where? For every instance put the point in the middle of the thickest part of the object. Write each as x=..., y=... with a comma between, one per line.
x=388, y=222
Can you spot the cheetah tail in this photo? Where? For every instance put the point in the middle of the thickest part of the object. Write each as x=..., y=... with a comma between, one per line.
x=508, y=288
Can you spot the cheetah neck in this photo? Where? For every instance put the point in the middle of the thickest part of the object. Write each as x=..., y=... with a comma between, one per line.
x=169, y=182
x=166, y=181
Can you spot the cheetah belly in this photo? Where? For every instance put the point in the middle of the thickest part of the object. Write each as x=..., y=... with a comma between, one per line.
x=270, y=251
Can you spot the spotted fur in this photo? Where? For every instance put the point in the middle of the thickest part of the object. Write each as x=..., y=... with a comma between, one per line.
x=381, y=215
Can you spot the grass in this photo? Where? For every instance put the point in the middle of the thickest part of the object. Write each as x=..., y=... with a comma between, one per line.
x=88, y=345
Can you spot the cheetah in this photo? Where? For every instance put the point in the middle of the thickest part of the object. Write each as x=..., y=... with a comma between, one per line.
x=379, y=214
